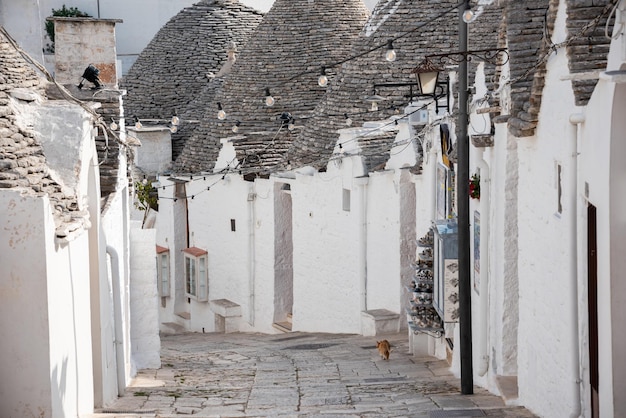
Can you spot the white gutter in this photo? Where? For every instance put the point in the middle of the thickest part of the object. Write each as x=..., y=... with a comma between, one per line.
x=251, y=255
x=574, y=138
x=483, y=309
x=117, y=320
x=362, y=261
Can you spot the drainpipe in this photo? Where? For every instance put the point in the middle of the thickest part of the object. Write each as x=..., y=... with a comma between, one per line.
x=252, y=255
x=574, y=138
x=483, y=312
x=362, y=262
x=117, y=316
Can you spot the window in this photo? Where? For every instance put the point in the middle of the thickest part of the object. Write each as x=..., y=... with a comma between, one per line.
x=196, y=274
x=346, y=200
x=163, y=270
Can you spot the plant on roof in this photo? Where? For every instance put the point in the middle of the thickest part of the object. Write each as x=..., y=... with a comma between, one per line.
x=62, y=12
x=147, y=197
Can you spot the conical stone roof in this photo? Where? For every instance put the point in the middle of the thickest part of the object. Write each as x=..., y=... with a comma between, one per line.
x=417, y=33
x=171, y=71
x=285, y=54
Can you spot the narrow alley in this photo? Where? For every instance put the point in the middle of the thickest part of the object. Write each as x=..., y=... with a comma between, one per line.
x=298, y=374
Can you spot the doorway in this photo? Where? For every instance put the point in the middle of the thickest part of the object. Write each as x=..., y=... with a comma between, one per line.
x=592, y=306
x=283, y=257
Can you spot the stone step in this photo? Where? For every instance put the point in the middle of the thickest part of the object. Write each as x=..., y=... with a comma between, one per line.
x=172, y=328
x=282, y=326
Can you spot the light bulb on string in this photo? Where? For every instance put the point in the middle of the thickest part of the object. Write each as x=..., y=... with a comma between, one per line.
x=138, y=124
x=269, y=100
x=173, y=129
x=175, y=120
x=323, y=79
x=348, y=119
x=221, y=115
x=235, y=127
x=468, y=16
x=390, y=55
x=113, y=126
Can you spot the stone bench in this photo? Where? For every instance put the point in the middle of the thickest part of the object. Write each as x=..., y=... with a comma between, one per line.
x=378, y=322
x=227, y=315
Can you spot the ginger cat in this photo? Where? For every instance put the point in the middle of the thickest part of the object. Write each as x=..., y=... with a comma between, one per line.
x=384, y=348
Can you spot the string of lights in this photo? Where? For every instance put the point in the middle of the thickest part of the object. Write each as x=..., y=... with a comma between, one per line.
x=390, y=56
x=238, y=169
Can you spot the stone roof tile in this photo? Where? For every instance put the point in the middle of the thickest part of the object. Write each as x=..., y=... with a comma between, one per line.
x=285, y=54
x=413, y=22
x=23, y=164
x=172, y=70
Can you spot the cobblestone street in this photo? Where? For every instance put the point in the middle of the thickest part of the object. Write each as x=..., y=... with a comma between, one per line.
x=297, y=375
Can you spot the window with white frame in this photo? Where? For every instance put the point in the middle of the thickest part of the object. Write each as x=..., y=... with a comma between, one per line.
x=163, y=270
x=196, y=274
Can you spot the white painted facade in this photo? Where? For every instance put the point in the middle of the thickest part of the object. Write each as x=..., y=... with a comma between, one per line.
x=530, y=308
x=307, y=247
x=67, y=292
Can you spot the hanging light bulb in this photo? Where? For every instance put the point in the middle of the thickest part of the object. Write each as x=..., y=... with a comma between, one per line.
x=221, y=115
x=113, y=126
x=173, y=129
x=348, y=119
x=138, y=124
x=175, y=120
x=468, y=16
x=269, y=100
x=374, y=107
x=390, y=55
x=323, y=79
x=291, y=126
x=235, y=127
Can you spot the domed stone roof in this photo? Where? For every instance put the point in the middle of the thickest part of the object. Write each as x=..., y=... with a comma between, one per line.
x=285, y=55
x=172, y=70
x=418, y=28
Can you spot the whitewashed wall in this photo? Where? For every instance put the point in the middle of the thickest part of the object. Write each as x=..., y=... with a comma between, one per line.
x=601, y=181
x=144, y=300
x=326, y=275
x=47, y=352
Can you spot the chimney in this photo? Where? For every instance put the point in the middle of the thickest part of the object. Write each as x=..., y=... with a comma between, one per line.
x=80, y=41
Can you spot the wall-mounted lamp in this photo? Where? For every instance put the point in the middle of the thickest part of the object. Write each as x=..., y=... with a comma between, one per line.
x=374, y=99
x=427, y=75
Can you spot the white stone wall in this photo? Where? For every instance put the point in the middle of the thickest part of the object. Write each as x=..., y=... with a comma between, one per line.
x=46, y=325
x=115, y=233
x=144, y=300
x=326, y=275
x=155, y=155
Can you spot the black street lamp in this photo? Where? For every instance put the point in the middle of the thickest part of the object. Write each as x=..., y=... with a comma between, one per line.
x=427, y=75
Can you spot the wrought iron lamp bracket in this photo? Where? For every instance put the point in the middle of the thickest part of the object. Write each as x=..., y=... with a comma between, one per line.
x=498, y=56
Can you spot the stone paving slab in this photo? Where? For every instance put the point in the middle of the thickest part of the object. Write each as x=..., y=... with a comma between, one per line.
x=297, y=375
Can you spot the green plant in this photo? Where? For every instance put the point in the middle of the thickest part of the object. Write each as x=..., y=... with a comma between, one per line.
x=147, y=197
x=62, y=12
